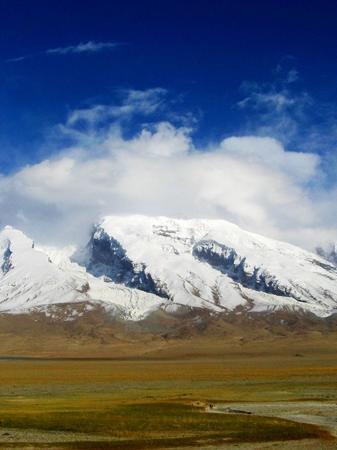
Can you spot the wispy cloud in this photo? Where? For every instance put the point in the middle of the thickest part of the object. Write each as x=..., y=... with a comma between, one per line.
x=277, y=108
x=19, y=58
x=134, y=101
x=283, y=109
x=81, y=48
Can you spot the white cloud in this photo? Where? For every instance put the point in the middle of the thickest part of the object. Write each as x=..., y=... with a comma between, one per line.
x=292, y=76
x=276, y=108
x=143, y=102
x=252, y=181
x=276, y=100
x=270, y=152
x=82, y=47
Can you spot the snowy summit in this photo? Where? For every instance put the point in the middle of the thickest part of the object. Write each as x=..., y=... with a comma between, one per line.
x=134, y=265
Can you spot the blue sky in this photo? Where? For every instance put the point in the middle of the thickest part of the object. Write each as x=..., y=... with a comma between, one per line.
x=73, y=74
x=202, y=52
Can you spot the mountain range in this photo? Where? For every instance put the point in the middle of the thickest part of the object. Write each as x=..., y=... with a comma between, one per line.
x=135, y=266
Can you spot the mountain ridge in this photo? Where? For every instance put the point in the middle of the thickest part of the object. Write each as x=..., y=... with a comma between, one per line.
x=135, y=265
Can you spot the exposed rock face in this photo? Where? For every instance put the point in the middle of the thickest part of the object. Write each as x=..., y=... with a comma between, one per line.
x=228, y=262
x=6, y=257
x=108, y=258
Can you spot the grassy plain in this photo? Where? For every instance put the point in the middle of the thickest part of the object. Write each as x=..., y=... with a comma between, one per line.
x=144, y=404
x=152, y=389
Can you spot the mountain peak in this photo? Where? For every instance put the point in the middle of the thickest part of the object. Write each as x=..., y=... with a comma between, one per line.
x=15, y=238
x=210, y=264
x=30, y=279
x=134, y=265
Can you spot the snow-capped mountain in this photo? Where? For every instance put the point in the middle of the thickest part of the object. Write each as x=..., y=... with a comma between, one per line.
x=30, y=280
x=210, y=264
x=135, y=265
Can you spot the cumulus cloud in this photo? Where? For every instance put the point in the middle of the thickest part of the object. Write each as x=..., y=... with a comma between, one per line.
x=302, y=167
x=253, y=181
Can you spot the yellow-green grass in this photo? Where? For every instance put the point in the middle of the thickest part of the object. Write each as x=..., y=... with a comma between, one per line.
x=150, y=404
x=154, y=424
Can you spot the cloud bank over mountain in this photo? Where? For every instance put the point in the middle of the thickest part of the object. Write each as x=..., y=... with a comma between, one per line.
x=158, y=169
